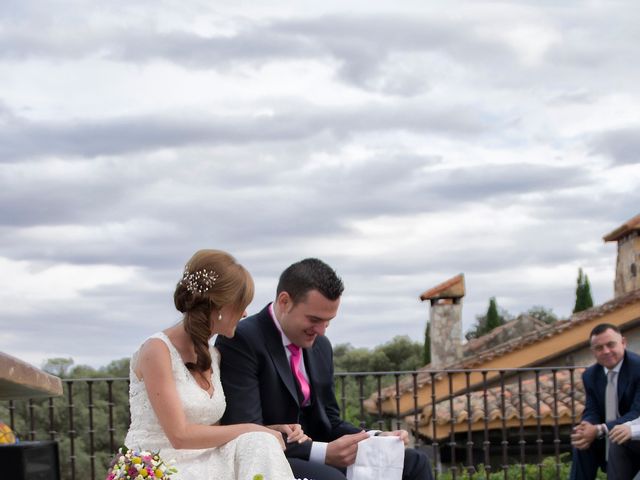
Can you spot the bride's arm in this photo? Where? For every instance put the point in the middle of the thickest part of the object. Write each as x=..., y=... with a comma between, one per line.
x=154, y=364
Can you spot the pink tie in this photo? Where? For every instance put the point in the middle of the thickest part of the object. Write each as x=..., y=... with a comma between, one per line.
x=296, y=356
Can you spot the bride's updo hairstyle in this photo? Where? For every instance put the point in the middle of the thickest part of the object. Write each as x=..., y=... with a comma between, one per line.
x=211, y=280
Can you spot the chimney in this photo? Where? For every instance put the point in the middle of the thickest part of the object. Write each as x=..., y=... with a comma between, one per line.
x=446, y=321
x=628, y=264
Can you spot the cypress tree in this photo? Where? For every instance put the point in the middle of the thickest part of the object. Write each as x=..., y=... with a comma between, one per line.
x=586, y=292
x=493, y=318
x=583, y=293
x=426, y=353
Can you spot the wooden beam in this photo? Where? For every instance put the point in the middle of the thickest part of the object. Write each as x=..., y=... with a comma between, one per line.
x=19, y=379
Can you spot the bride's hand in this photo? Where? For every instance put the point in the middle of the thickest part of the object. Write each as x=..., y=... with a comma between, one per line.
x=293, y=432
x=276, y=433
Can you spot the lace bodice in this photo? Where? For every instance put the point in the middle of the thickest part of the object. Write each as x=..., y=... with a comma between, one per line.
x=145, y=430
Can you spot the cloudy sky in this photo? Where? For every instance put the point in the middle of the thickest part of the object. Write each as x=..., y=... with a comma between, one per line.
x=403, y=142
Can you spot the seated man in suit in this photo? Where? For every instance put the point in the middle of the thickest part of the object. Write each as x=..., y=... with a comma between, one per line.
x=278, y=370
x=612, y=390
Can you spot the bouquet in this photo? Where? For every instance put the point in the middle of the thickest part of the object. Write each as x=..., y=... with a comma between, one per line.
x=6, y=434
x=134, y=465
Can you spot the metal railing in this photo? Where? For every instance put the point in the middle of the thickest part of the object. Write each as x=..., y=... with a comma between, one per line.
x=498, y=420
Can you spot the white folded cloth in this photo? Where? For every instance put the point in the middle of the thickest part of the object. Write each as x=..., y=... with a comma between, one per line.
x=378, y=458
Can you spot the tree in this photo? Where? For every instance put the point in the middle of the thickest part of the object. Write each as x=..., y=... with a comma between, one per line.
x=583, y=293
x=59, y=366
x=543, y=314
x=494, y=317
x=402, y=352
x=426, y=353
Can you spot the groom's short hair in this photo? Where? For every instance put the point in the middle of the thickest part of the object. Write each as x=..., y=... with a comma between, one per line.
x=310, y=274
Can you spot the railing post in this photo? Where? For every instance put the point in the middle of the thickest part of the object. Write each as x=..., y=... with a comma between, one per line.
x=52, y=431
x=538, y=425
x=72, y=432
x=112, y=429
x=398, y=423
x=360, y=379
x=12, y=419
x=435, y=444
x=452, y=437
x=32, y=421
x=470, y=467
x=522, y=441
x=379, y=403
x=556, y=428
x=92, y=453
x=343, y=394
x=486, y=443
x=503, y=414
x=416, y=437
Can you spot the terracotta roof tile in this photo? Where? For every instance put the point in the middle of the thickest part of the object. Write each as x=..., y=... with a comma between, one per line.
x=452, y=288
x=530, y=405
x=624, y=229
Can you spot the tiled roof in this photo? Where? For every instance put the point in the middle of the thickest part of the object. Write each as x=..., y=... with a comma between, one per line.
x=535, y=336
x=511, y=330
x=568, y=410
x=624, y=229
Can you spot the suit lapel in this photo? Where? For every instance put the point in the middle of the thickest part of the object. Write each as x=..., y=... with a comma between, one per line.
x=273, y=340
x=623, y=378
x=311, y=366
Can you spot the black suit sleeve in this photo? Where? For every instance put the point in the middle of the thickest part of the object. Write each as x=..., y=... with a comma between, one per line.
x=592, y=413
x=339, y=427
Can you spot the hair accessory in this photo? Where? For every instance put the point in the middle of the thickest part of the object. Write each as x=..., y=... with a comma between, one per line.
x=220, y=317
x=199, y=281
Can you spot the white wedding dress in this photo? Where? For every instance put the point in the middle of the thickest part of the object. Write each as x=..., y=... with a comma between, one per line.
x=240, y=459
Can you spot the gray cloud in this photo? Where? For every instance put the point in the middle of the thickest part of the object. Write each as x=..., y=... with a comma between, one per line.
x=22, y=138
x=620, y=145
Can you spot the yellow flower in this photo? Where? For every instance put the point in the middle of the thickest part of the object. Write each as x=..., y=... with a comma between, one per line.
x=158, y=473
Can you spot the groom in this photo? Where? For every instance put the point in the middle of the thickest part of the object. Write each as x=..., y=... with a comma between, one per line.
x=278, y=369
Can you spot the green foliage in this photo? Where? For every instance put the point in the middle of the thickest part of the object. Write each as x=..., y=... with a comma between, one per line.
x=58, y=366
x=543, y=314
x=400, y=353
x=493, y=319
x=583, y=293
x=549, y=469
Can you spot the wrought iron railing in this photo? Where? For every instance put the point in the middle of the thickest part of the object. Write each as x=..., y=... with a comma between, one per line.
x=472, y=421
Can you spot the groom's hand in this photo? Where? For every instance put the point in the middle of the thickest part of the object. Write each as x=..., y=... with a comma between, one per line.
x=342, y=452
x=401, y=434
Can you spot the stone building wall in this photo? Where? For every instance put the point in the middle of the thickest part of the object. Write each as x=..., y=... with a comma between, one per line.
x=628, y=265
x=446, y=334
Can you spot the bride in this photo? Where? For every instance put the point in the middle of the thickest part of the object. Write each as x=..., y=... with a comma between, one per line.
x=176, y=398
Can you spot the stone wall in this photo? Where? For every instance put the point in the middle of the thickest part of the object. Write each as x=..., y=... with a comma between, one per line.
x=628, y=264
x=446, y=334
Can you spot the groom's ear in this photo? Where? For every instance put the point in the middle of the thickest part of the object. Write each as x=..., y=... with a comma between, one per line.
x=284, y=301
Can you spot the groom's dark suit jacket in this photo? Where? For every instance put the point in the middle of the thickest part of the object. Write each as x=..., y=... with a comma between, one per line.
x=595, y=385
x=260, y=387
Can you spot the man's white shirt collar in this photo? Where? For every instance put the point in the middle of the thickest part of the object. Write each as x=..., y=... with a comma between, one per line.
x=284, y=338
x=615, y=369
